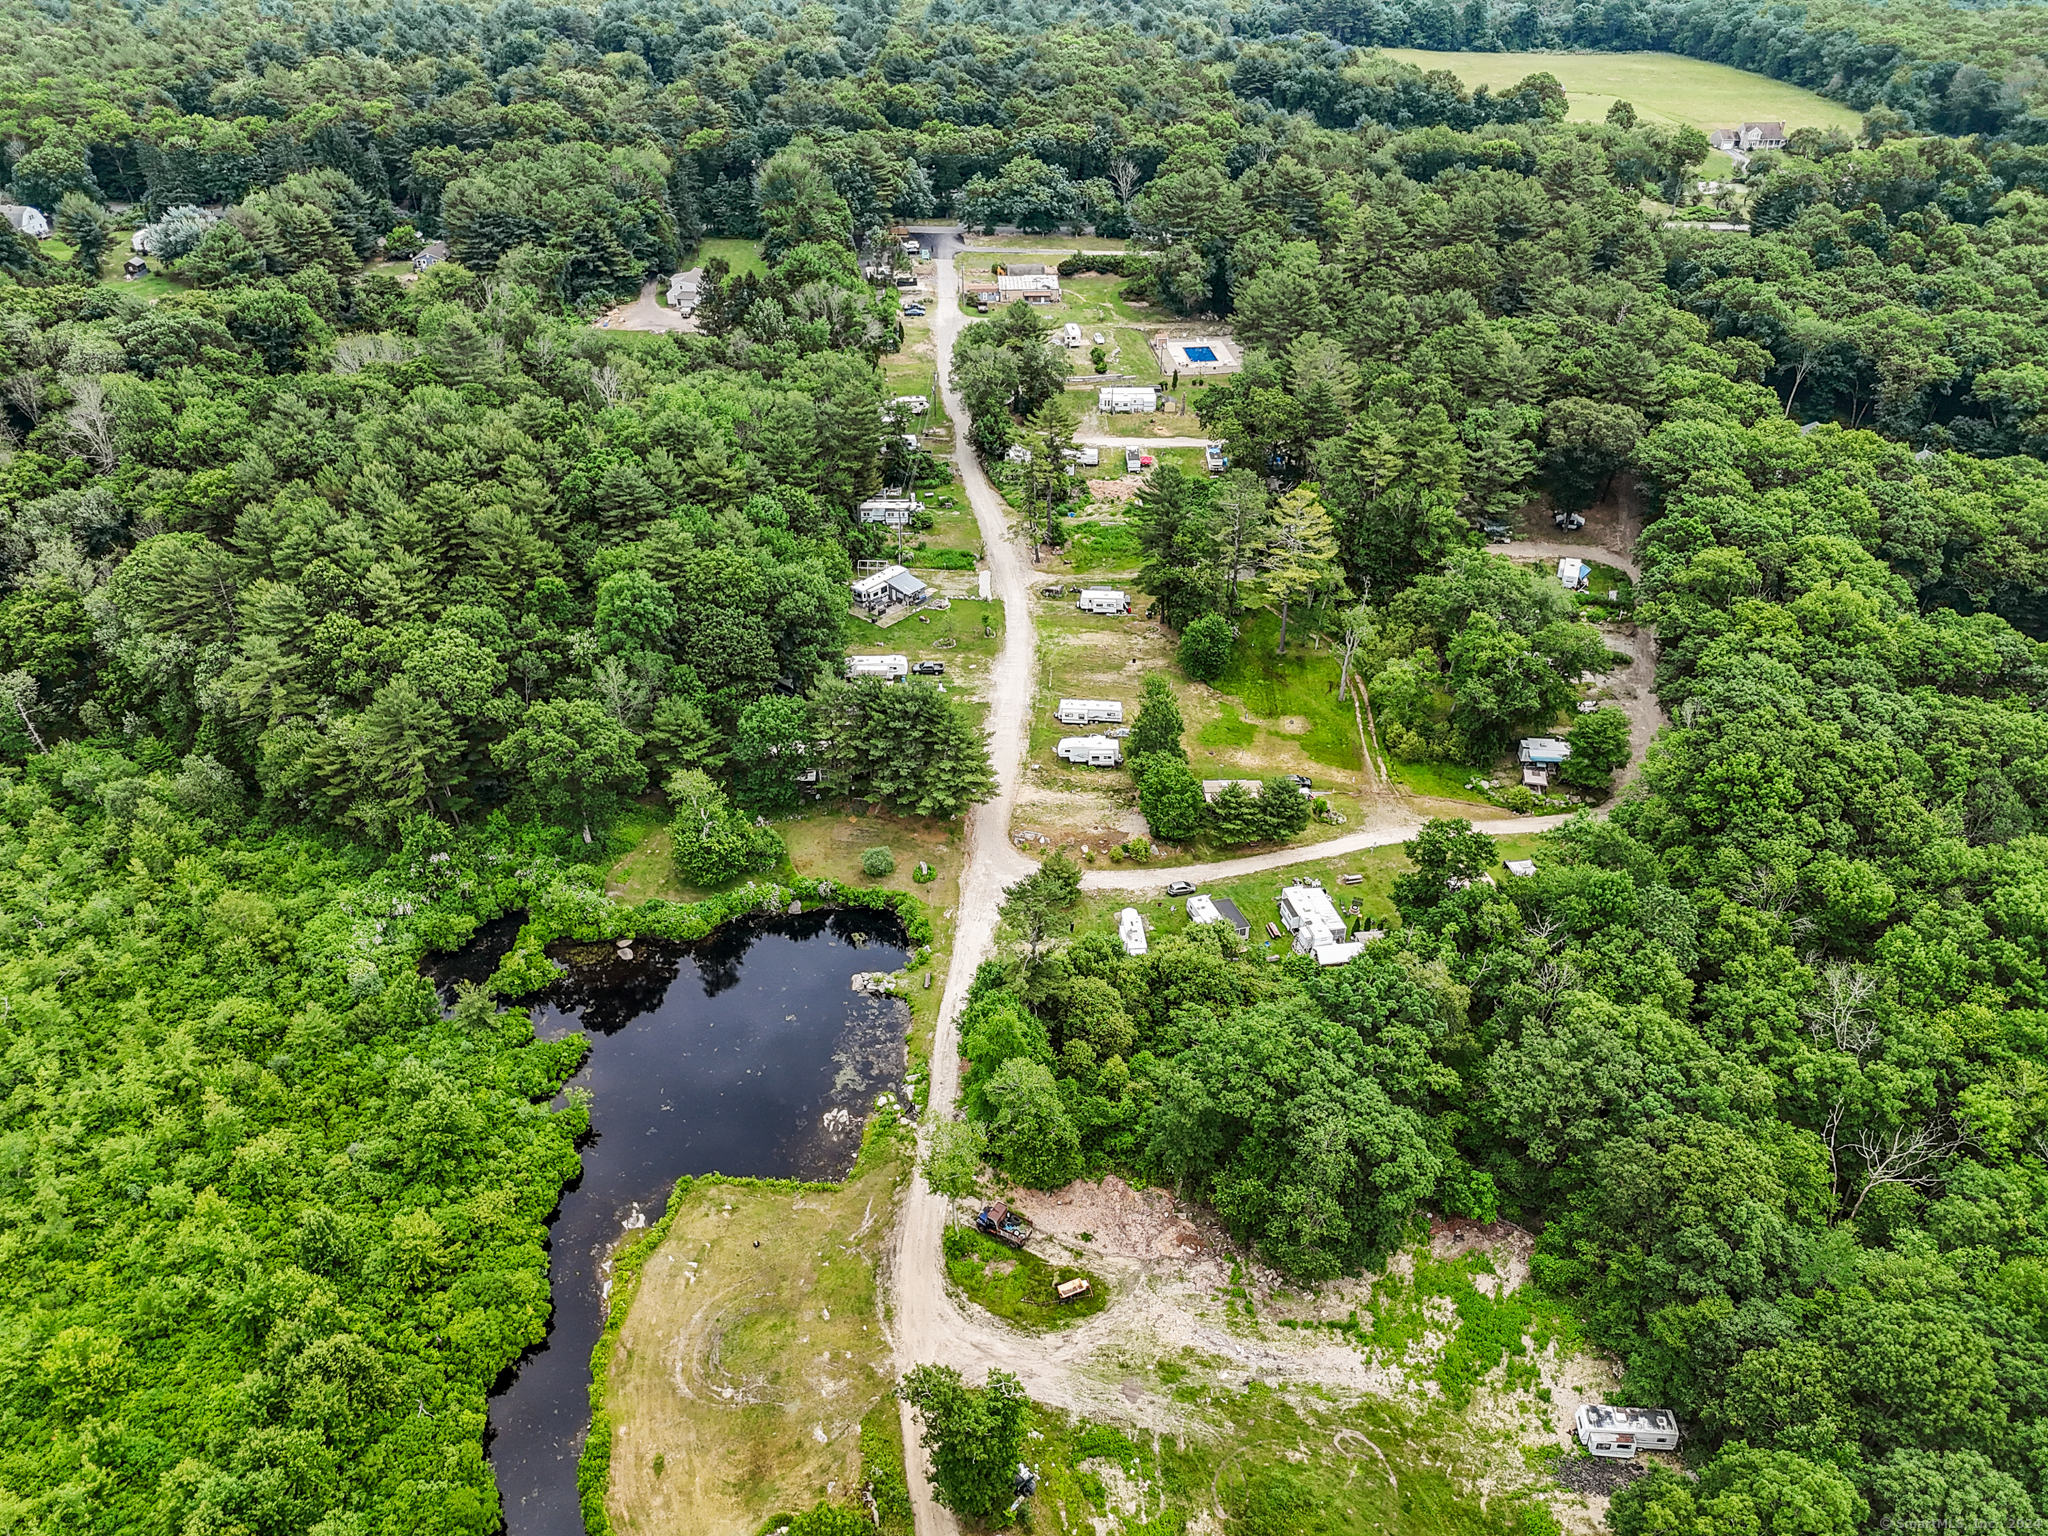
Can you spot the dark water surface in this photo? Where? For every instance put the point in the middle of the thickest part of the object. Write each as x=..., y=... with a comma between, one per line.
x=731, y=1055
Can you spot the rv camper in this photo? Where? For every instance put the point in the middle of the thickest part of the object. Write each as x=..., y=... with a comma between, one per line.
x=1103, y=600
x=1619, y=1433
x=1090, y=712
x=1091, y=751
x=890, y=669
x=1070, y=334
x=1130, y=931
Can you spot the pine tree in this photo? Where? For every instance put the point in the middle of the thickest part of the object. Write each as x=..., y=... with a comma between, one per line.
x=1159, y=724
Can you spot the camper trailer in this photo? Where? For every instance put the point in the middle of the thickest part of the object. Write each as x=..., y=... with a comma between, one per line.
x=1307, y=912
x=1091, y=751
x=1115, y=398
x=1130, y=931
x=1214, y=459
x=1090, y=712
x=1619, y=1433
x=1070, y=334
x=1103, y=600
x=890, y=669
x=891, y=511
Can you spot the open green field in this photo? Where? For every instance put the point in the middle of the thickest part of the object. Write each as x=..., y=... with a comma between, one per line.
x=1661, y=87
x=740, y=255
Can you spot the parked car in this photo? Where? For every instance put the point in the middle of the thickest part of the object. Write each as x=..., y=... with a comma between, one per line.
x=916, y=310
x=1100, y=339
x=1571, y=522
x=1181, y=888
x=1303, y=780
x=930, y=669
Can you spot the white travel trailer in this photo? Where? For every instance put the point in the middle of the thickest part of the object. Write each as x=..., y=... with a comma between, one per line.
x=1070, y=333
x=1090, y=712
x=1618, y=1433
x=890, y=669
x=1307, y=912
x=1115, y=398
x=1130, y=929
x=1092, y=751
x=1103, y=600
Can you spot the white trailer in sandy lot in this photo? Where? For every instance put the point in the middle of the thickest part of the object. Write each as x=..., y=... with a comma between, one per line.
x=1618, y=1433
x=1091, y=751
x=1090, y=712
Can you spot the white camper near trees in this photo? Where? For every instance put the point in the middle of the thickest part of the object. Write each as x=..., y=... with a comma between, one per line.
x=1103, y=600
x=1092, y=751
x=1090, y=712
x=1618, y=1433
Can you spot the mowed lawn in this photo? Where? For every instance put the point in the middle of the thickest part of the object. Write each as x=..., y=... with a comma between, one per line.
x=1662, y=87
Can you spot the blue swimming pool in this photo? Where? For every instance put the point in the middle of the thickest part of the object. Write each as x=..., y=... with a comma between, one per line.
x=1201, y=354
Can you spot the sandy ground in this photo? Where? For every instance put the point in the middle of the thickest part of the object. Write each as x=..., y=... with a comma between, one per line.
x=643, y=314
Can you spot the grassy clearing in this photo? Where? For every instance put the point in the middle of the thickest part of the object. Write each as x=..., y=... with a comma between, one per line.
x=1305, y=1466
x=743, y=1376
x=1441, y=781
x=1093, y=546
x=740, y=255
x=1017, y=1286
x=1660, y=86
x=1298, y=691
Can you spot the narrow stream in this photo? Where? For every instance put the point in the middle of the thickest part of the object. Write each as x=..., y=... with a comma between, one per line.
x=736, y=1054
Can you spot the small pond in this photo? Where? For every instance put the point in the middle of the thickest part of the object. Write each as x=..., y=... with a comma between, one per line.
x=747, y=1053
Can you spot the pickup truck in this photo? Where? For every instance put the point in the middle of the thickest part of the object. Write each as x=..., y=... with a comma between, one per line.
x=1004, y=1225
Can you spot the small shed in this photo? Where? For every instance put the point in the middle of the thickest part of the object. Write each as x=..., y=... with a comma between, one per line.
x=134, y=267
x=1543, y=751
x=1522, y=867
x=1130, y=930
x=431, y=254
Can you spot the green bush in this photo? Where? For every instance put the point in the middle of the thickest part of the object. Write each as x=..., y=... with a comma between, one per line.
x=877, y=862
x=1205, y=648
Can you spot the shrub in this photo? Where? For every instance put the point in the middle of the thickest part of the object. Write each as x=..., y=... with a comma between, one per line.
x=877, y=862
x=924, y=874
x=1136, y=849
x=1205, y=648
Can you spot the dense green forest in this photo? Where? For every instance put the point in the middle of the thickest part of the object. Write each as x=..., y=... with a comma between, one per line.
x=339, y=611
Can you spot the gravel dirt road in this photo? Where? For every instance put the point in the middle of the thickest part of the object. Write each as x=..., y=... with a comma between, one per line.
x=1160, y=1282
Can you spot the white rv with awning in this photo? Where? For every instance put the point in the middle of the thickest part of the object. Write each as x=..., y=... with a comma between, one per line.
x=1103, y=600
x=1090, y=712
x=1093, y=751
x=1307, y=912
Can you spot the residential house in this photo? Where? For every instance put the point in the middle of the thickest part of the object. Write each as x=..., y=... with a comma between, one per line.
x=431, y=254
x=1032, y=288
x=26, y=220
